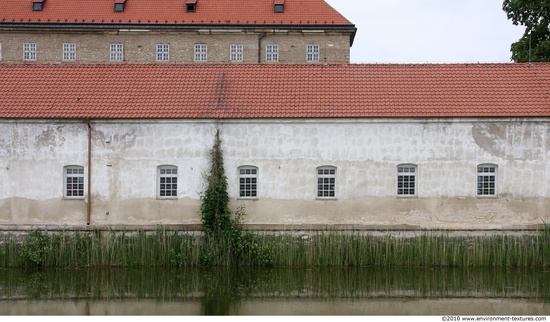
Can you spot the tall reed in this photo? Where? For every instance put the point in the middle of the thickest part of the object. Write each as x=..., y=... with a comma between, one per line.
x=163, y=248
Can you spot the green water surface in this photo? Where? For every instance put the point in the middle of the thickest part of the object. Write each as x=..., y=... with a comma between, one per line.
x=225, y=291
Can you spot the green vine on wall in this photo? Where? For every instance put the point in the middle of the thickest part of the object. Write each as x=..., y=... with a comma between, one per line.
x=215, y=212
x=222, y=228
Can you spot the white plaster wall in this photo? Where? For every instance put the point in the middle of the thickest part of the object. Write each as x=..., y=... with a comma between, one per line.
x=366, y=152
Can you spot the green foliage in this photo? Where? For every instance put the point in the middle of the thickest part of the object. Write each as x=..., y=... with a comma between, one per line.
x=534, y=45
x=36, y=245
x=243, y=248
x=215, y=212
x=224, y=231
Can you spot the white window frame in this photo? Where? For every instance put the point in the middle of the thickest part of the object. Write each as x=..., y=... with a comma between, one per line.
x=487, y=180
x=248, y=182
x=69, y=51
x=236, y=52
x=116, y=52
x=407, y=180
x=167, y=182
x=326, y=182
x=201, y=52
x=312, y=53
x=73, y=182
x=29, y=51
x=163, y=52
x=272, y=53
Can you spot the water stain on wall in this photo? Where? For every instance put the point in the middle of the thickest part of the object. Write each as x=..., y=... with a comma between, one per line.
x=512, y=142
x=116, y=141
x=50, y=138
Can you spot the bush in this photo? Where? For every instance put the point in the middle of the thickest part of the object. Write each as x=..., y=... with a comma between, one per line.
x=35, y=246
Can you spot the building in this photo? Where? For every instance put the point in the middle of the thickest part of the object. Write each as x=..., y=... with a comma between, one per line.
x=459, y=146
x=173, y=32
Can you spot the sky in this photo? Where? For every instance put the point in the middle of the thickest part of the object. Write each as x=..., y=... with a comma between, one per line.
x=429, y=31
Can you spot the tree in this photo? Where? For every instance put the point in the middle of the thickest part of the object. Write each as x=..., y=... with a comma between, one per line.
x=534, y=45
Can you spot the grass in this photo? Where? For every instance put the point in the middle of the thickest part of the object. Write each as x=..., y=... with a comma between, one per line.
x=335, y=250
x=164, y=248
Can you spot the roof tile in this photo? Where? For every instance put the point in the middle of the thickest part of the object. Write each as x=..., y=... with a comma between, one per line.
x=172, y=11
x=273, y=91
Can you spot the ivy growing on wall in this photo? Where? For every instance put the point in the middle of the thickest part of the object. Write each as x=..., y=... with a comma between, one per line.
x=224, y=229
x=215, y=212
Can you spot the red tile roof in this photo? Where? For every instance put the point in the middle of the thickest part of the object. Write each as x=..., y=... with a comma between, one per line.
x=168, y=12
x=274, y=91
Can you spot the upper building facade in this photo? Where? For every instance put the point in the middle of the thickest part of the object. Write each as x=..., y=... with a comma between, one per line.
x=173, y=31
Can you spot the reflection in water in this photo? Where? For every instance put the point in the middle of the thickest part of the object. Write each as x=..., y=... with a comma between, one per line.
x=223, y=291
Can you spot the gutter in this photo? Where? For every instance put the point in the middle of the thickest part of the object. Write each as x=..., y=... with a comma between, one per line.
x=89, y=205
x=260, y=47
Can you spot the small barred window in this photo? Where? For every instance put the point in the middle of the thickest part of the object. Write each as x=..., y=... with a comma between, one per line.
x=326, y=182
x=167, y=182
x=486, y=180
x=74, y=182
x=248, y=182
x=406, y=180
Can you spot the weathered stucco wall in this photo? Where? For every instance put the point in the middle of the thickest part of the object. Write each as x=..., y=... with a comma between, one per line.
x=125, y=157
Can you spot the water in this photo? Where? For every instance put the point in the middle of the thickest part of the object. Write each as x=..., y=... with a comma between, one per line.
x=222, y=291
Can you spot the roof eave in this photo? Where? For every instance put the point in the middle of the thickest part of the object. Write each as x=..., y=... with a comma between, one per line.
x=55, y=25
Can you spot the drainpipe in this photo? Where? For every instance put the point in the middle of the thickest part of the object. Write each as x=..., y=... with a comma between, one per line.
x=260, y=48
x=89, y=208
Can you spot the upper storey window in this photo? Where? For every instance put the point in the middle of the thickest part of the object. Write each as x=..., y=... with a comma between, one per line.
x=38, y=5
x=29, y=51
x=163, y=52
x=201, y=51
x=236, y=53
x=272, y=53
x=69, y=52
x=312, y=53
x=117, y=52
